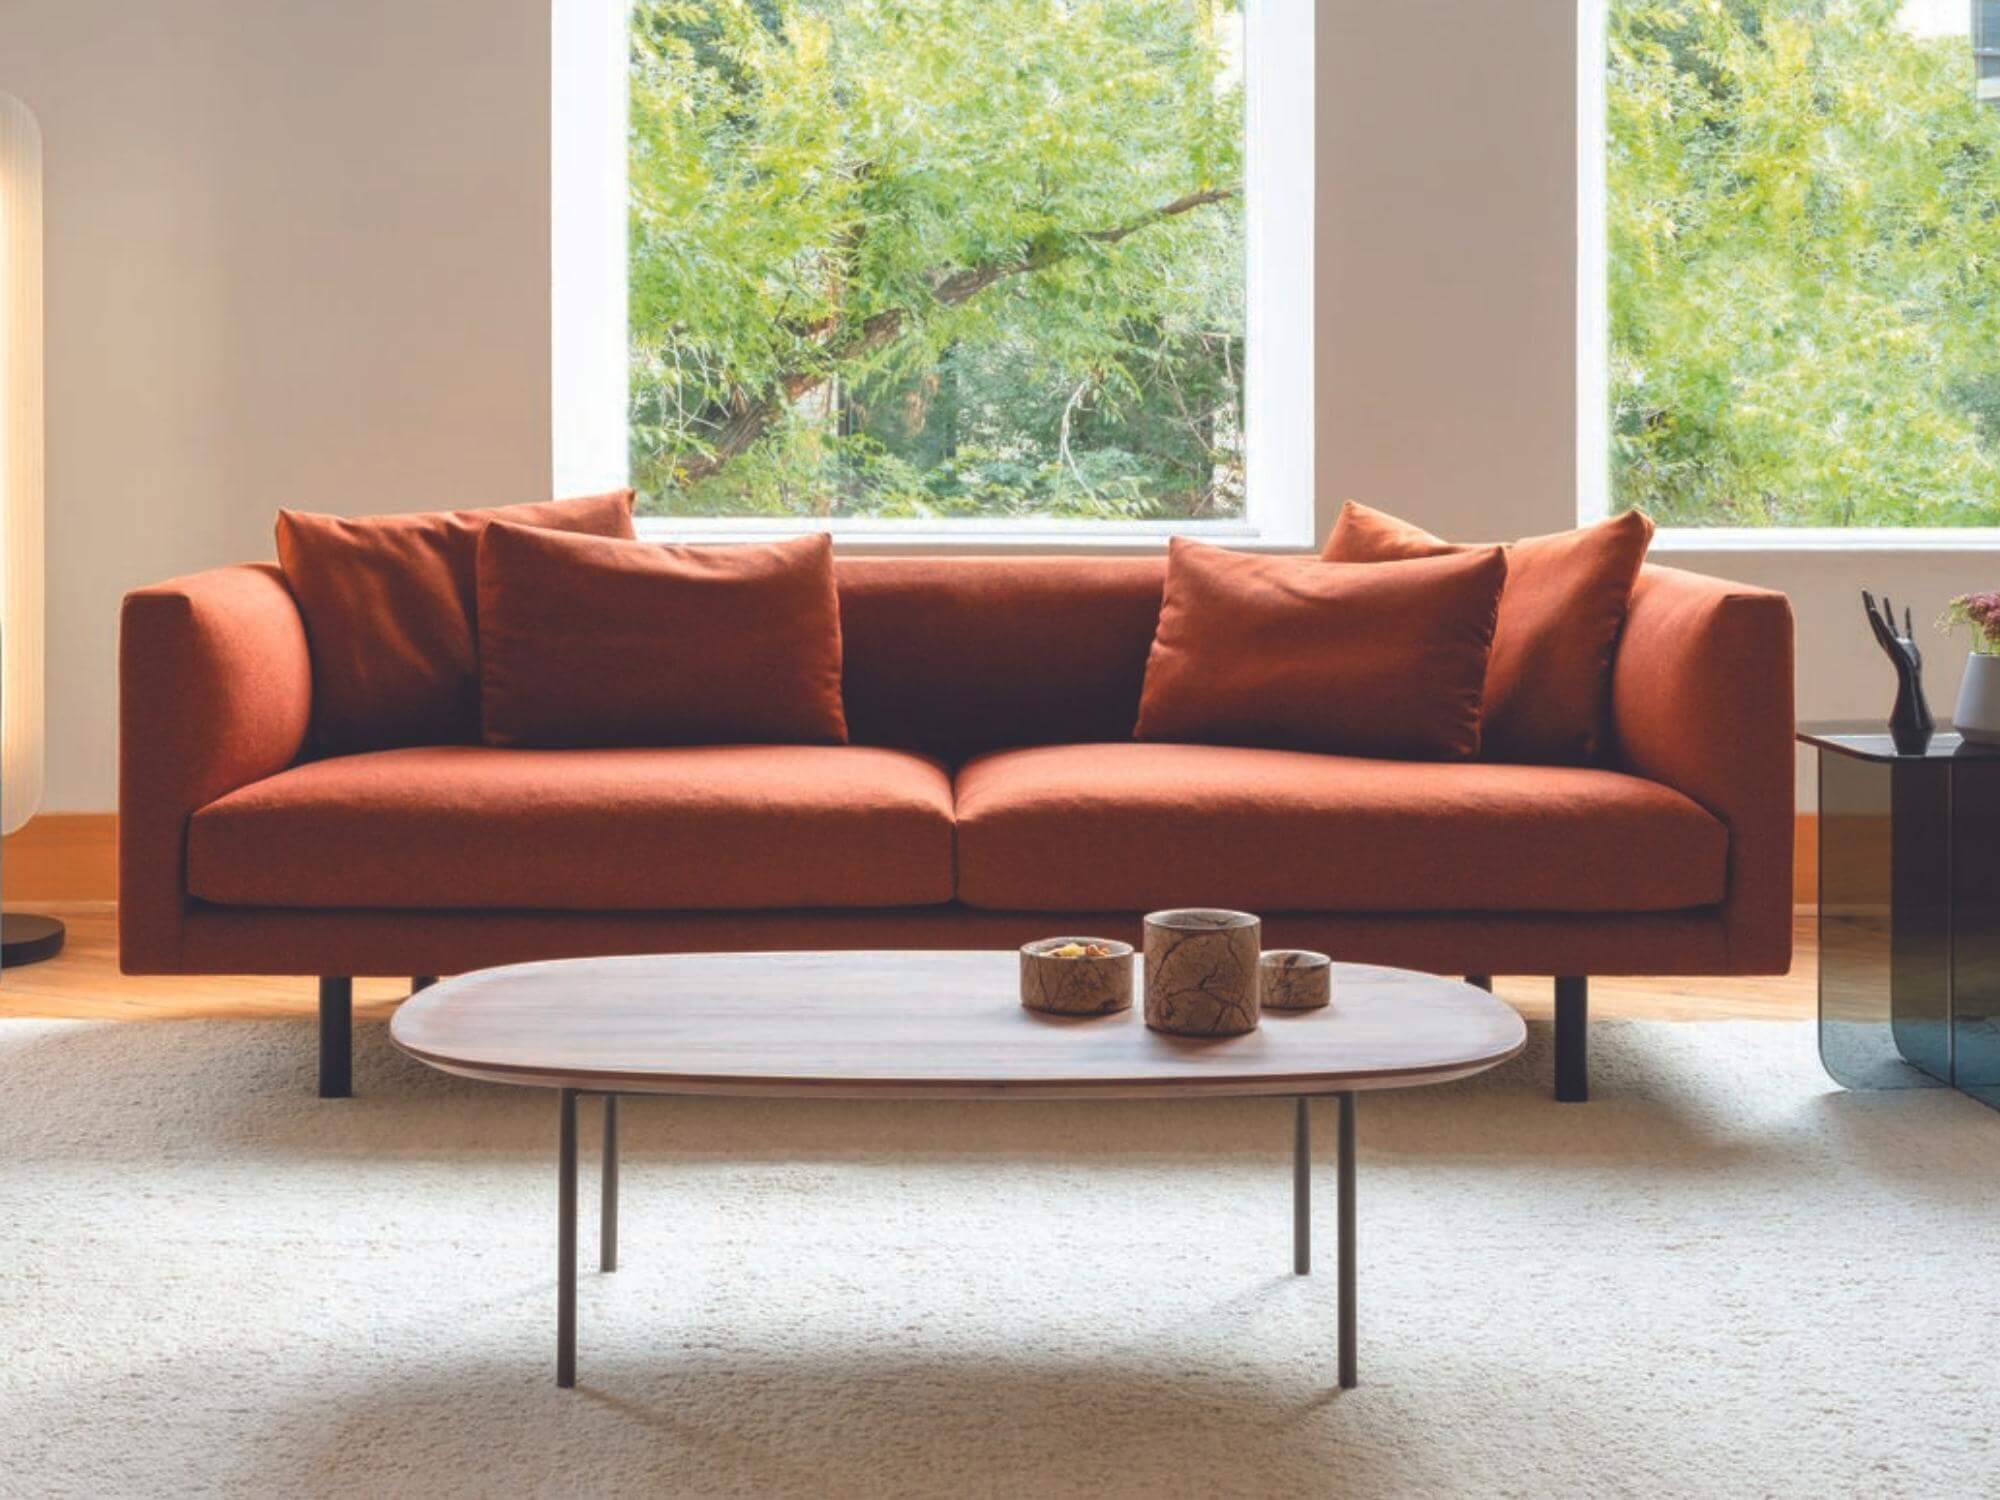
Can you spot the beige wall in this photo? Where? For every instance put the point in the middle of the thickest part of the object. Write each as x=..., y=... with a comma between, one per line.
x=1446, y=237
x=298, y=254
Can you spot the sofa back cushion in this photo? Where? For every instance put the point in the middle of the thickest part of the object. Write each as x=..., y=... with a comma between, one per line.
x=1290, y=653
x=389, y=603
x=592, y=641
x=954, y=656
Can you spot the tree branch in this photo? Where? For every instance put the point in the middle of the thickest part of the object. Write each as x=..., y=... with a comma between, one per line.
x=749, y=418
x=955, y=287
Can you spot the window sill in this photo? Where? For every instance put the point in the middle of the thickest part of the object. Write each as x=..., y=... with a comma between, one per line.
x=1141, y=537
x=1828, y=539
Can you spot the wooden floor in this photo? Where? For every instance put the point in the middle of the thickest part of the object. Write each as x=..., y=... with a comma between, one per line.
x=84, y=982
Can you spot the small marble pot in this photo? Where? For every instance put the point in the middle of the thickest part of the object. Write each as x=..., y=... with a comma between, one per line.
x=1201, y=972
x=1081, y=986
x=1294, y=979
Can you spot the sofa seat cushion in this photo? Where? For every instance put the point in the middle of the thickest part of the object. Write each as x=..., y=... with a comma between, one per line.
x=722, y=827
x=1131, y=827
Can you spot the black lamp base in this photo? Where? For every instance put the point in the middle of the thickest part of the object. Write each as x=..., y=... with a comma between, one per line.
x=26, y=939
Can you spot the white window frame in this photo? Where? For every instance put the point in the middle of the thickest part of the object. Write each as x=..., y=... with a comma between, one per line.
x=1593, y=417
x=589, y=372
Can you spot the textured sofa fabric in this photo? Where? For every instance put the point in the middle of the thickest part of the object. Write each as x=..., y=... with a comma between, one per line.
x=293, y=940
x=1383, y=659
x=1163, y=825
x=964, y=654
x=1702, y=700
x=1548, y=688
x=215, y=692
x=389, y=606
x=587, y=641
x=695, y=828
x=229, y=830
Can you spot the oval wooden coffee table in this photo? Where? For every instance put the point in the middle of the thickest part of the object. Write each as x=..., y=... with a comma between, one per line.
x=922, y=1026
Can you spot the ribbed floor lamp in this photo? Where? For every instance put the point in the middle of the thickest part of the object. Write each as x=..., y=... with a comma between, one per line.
x=23, y=939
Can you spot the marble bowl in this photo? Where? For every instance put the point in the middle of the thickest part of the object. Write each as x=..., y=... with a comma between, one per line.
x=1201, y=971
x=1083, y=986
x=1294, y=979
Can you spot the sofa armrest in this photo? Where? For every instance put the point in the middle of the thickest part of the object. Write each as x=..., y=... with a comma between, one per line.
x=1701, y=699
x=214, y=692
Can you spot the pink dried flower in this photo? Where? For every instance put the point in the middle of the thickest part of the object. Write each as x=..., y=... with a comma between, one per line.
x=1981, y=613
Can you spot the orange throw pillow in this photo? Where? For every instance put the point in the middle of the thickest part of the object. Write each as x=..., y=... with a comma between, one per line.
x=388, y=607
x=584, y=641
x=1295, y=654
x=1548, y=686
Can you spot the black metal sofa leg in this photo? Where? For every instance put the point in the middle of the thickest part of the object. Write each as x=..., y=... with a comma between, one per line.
x=1573, y=1040
x=336, y=1038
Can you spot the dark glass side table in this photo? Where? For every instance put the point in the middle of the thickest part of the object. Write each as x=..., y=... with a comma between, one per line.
x=1909, y=911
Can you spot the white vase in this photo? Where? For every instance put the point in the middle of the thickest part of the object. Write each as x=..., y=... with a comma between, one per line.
x=1978, y=715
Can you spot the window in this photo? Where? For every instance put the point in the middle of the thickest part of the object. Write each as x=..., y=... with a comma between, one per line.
x=1803, y=262
x=1986, y=48
x=950, y=267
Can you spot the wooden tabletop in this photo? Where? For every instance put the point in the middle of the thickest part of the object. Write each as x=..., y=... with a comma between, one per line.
x=920, y=1025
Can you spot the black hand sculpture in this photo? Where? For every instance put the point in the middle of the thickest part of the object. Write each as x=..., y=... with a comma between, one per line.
x=1910, y=722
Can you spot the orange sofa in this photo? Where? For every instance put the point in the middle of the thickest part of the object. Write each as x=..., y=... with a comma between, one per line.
x=993, y=793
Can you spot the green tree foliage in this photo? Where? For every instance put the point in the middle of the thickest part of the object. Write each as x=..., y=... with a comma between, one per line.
x=1805, y=267
x=937, y=257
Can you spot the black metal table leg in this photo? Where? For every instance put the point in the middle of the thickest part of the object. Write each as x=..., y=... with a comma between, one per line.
x=566, y=1241
x=1302, y=1255
x=607, y=1194
x=1347, y=1332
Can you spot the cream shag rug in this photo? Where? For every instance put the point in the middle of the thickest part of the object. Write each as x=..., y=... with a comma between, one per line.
x=1724, y=1277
